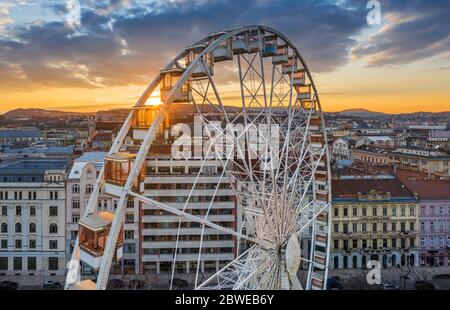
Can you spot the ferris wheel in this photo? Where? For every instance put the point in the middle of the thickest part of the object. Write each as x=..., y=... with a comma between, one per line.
x=254, y=94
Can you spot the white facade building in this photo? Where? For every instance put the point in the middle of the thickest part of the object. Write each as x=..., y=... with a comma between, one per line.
x=32, y=218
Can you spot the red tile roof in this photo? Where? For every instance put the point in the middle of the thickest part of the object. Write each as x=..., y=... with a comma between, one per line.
x=350, y=188
x=429, y=189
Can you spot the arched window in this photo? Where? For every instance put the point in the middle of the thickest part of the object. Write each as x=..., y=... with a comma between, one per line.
x=18, y=228
x=32, y=227
x=89, y=188
x=75, y=188
x=4, y=228
x=336, y=262
x=364, y=262
x=53, y=229
x=345, y=262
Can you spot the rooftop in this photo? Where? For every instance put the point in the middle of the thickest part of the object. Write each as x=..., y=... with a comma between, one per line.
x=351, y=188
x=20, y=134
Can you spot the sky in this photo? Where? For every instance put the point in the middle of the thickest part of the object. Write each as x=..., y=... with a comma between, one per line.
x=105, y=59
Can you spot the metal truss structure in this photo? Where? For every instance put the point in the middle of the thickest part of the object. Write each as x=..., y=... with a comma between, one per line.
x=281, y=181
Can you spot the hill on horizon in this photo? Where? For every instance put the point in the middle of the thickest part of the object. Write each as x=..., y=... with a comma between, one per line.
x=38, y=113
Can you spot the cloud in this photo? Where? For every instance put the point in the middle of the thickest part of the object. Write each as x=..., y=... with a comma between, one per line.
x=127, y=42
x=413, y=30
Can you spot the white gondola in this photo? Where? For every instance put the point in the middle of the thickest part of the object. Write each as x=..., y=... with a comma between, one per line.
x=94, y=230
x=240, y=44
x=290, y=66
x=254, y=42
x=223, y=52
x=169, y=80
x=201, y=68
x=270, y=45
x=282, y=55
x=117, y=169
x=303, y=92
x=299, y=77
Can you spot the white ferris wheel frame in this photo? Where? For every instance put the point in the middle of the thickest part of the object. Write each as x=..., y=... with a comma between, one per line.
x=234, y=275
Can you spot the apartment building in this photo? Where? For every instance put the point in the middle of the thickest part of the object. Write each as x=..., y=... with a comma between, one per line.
x=434, y=219
x=170, y=181
x=431, y=162
x=373, y=219
x=32, y=218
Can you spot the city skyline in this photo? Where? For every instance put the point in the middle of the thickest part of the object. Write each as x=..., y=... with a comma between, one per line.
x=108, y=58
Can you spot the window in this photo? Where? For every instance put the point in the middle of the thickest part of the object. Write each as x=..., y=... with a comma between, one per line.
x=394, y=226
x=411, y=226
x=354, y=227
x=441, y=242
x=422, y=211
x=4, y=244
x=17, y=263
x=18, y=244
x=402, y=226
x=129, y=218
x=411, y=211
x=364, y=227
x=89, y=189
x=18, y=228
x=53, y=229
x=32, y=228
x=384, y=227
x=374, y=211
x=4, y=228
x=32, y=244
x=403, y=210
x=31, y=263
x=336, y=244
x=374, y=227
x=4, y=210
x=422, y=226
x=432, y=242
x=345, y=226
x=431, y=226
x=53, y=211
x=385, y=243
x=18, y=210
x=53, y=244
x=345, y=212
x=355, y=212
x=364, y=243
x=422, y=242
x=75, y=217
x=394, y=211
x=441, y=225
x=3, y=263
x=75, y=204
x=129, y=234
x=336, y=212
x=336, y=227
x=364, y=211
x=129, y=248
x=432, y=211
x=354, y=243
x=394, y=243
x=385, y=211
x=75, y=188
x=32, y=210
x=53, y=263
